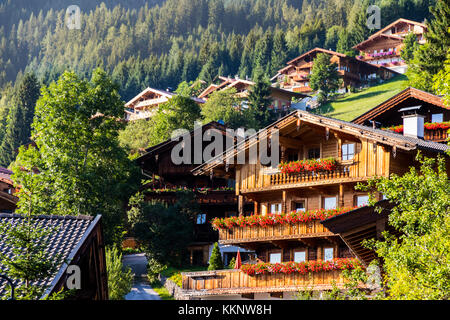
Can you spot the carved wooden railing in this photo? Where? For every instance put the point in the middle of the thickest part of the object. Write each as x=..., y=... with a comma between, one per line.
x=342, y=171
x=436, y=135
x=273, y=232
x=236, y=281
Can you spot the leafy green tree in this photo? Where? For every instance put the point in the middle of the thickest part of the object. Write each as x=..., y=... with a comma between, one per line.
x=164, y=230
x=18, y=130
x=137, y=136
x=410, y=45
x=120, y=279
x=417, y=263
x=224, y=105
x=82, y=169
x=259, y=100
x=442, y=81
x=324, y=77
x=178, y=113
x=215, y=261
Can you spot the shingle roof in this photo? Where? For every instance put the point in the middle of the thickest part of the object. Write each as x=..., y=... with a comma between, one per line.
x=69, y=232
x=419, y=143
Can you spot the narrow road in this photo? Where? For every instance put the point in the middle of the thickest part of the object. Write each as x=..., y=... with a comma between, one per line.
x=141, y=289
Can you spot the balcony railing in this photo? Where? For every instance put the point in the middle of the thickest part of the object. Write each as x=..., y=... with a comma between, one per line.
x=256, y=233
x=238, y=282
x=436, y=135
x=342, y=171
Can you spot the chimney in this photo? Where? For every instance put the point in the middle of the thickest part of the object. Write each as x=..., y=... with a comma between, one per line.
x=413, y=122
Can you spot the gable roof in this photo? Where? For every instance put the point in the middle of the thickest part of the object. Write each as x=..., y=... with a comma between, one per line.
x=166, y=94
x=169, y=143
x=70, y=233
x=319, y=50
x=380, y=136
x=390, y=103
x=397, y=22
x=360, y=45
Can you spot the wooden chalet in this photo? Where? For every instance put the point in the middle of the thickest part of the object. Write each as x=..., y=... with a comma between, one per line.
x=435, y=113
x=281, y=99
x=384, y=47
x=359, y=153
x=76, y=241
x=295, y=76
x=215, y=195
x=8, y=200
x=145, y=104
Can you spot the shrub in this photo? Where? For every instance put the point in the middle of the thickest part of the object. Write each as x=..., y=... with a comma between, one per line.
x=215, y=262
x=119, y=279
x=154, y=268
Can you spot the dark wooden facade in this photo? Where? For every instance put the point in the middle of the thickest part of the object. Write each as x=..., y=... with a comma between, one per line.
x=214, y=195
x=8, y=200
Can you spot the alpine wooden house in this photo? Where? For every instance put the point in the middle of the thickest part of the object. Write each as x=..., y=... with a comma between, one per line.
x=281, y=98
x=214, y=195
x=295, y=76
x=145, y=104
x=384, y=47
x=431, y=116
x=8, y=200
x=322, y=160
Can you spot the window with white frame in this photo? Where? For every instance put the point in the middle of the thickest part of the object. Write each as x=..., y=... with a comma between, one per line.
x=275, y=258
x=362, y=200
x=275, y=208
x=437, y=117
x=328, y=254
x=329, y=203
x=299, y=256
x=348, y=151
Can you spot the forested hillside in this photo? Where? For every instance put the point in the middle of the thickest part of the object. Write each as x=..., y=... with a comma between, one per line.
x=161, y=43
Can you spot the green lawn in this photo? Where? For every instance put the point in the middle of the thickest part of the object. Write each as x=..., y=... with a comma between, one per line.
x=354, y=104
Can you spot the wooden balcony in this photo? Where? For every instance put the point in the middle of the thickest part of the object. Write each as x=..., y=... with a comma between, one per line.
x=299, y=230
x=439, y=135
x=237, y=282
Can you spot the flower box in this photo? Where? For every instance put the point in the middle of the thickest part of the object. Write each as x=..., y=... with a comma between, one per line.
x=302, y=166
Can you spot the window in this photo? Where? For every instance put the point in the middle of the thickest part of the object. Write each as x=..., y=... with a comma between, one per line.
x=275, y=208
x=328, y=254
x=437, y=117
x=299, y=256
x=348, y=151
x=314, y=153
x=329, y=203
x=299, y=206
x=275, y=258
x=293, y=157
x=362, y=200
x=201, y=218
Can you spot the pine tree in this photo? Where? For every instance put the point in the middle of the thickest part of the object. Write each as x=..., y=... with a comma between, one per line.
x=215, y=261
x=409, y=47
x=259, y=100
x=18, y=130
x=429, y=58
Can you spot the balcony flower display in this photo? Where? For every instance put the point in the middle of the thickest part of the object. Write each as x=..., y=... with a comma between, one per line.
x=272, y=219
x=381, y=54
x=300, y=267
x=200, y=190
x=302, y=166
x=427, y=126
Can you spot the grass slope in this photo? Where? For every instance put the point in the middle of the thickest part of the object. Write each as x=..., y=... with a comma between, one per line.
x=354, y=104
